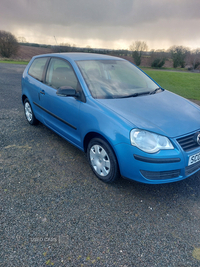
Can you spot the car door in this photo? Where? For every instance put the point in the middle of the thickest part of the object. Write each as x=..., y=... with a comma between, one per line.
x=34, y=83
x=61, y=113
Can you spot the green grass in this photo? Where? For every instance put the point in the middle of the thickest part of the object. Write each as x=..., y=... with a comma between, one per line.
x=185, y=84
x=164, y=68
x=14, y=61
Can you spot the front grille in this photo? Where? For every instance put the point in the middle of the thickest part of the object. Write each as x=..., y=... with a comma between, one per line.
x=192, y=168
x=161, y=175
x=188, y=142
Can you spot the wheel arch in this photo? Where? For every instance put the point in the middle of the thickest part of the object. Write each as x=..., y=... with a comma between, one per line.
x=24, y=97
x=89, y=136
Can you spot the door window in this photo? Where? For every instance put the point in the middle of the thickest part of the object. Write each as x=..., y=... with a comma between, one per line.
x=60, y=73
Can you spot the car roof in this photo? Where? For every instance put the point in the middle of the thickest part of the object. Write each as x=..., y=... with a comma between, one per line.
x=81, y=56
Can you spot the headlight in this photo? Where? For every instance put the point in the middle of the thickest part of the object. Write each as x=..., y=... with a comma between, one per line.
x=149, y=142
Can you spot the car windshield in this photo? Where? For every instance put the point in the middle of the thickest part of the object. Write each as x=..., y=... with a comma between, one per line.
x=115, y=79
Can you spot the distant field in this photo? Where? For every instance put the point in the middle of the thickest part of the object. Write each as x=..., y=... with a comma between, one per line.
x=185, y=84
x=27, y=52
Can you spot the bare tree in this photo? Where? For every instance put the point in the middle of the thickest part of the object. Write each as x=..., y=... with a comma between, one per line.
x=137, y=48
x=195, y=58
x=8, y=44
x=178, y=54
x=22, y=39
x=158, y=58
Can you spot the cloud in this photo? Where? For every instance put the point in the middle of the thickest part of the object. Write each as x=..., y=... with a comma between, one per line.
x=104, y=21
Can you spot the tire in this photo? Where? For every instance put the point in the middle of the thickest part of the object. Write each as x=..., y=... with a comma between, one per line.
x=30, y=117
x=102, y=160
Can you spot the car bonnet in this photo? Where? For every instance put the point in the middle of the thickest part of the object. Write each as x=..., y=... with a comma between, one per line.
x=164, y=113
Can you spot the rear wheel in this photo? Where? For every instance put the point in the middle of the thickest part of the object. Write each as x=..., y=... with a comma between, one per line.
x=102, y=160
x=29, y=113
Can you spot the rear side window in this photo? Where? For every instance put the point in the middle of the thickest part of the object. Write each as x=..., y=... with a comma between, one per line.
x=37, y=67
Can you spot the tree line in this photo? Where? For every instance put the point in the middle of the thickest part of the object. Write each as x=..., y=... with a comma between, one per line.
x=179, y=55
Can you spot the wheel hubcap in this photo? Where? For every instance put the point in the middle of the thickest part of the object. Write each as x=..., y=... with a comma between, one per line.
x=100, y=160
x=28, y=112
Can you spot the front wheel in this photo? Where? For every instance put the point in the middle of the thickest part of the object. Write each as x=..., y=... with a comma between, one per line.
x=29, y=113
x=102, y=160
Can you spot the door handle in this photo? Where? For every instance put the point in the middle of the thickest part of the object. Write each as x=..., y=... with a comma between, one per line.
x=42, y=92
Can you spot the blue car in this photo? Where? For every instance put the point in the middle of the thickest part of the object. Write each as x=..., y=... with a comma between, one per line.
x=126, y=123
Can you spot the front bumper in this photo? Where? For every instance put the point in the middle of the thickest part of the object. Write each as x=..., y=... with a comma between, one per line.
x=166, y=166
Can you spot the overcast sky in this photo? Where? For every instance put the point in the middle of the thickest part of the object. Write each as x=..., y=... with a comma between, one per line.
x=111, y=24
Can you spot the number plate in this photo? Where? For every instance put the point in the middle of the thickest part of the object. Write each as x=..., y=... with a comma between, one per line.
x=194, y=158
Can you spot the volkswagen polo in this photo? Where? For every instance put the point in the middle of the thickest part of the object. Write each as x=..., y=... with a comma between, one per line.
x=124, y=121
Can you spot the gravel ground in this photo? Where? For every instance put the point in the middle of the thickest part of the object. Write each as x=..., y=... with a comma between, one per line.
x=55, y=212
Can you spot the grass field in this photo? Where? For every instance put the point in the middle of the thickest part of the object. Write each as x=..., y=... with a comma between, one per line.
x=185, y=84
x=14, y=62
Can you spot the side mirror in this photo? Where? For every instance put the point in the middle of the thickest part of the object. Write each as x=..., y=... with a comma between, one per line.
x=67, y=91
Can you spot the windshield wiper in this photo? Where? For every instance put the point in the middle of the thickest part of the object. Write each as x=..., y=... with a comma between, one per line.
x=135, y=94
x=156, y=90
